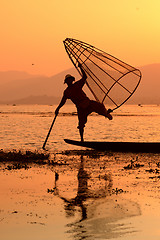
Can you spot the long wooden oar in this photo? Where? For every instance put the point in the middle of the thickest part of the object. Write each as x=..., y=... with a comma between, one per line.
x=44, y=144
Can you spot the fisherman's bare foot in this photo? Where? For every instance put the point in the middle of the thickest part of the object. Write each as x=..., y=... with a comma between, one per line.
x=82, y=139
x=109, y=116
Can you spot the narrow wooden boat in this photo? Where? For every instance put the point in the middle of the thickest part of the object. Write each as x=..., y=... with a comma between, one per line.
x=149, y=147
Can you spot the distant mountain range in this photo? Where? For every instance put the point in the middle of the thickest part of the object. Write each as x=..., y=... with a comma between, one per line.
x=23, y=88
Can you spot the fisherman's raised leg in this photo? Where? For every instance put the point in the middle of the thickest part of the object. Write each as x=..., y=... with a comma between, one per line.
x=101, y=110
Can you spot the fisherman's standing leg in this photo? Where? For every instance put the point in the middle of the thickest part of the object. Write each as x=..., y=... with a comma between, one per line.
x=81, y=131
x=82, y=117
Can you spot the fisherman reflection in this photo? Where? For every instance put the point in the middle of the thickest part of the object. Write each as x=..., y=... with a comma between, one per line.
x=83, y=192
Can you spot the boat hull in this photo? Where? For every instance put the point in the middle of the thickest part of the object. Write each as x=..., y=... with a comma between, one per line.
x=150, y=147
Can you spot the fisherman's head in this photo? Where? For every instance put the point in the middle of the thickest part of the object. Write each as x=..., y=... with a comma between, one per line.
x=69, y=79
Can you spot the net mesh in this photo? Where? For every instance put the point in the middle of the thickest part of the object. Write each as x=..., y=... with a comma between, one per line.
x=110, y=80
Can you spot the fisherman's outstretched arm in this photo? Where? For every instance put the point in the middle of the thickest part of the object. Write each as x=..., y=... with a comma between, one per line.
x=84, y=76
x=62, y=102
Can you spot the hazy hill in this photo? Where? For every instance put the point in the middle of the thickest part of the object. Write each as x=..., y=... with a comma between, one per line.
x=35, y=85
x=42, y=100
x=8, y=76
x=23, y=88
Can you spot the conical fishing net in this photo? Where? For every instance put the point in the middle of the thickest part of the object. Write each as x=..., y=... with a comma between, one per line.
x=110, y=80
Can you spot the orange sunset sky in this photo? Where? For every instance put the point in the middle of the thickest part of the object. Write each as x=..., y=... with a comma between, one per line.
x=32, y=32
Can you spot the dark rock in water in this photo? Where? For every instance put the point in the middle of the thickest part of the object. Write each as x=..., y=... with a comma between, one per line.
x=133, y=165
x=16, y=166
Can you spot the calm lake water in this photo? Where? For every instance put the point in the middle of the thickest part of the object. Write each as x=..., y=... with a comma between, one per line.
x=26, y=127
x=91, y=196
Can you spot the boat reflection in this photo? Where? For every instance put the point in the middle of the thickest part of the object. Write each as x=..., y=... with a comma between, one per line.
x=97, y=213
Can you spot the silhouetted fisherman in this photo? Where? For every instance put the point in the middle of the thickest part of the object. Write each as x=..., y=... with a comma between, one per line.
x=84, y=105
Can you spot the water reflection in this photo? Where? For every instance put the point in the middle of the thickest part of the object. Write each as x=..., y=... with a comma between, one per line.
x=96, y=213
x=83, y=192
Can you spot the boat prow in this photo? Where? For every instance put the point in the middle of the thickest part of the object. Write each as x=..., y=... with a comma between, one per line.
x=146, y=147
